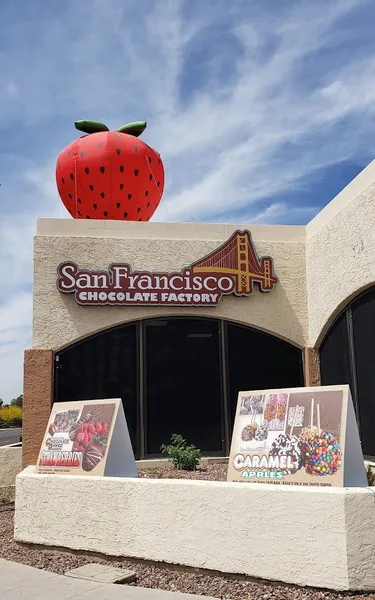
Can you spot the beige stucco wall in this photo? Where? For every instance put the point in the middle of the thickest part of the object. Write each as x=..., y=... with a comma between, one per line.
x=10, y=465
x=320, y=267
x=340, y=244
x=58, y=320
x=208, y=525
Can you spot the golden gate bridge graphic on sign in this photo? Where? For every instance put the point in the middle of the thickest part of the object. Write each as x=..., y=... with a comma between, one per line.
x=237, y=257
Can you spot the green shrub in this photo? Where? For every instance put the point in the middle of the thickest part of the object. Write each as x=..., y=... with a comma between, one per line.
x=11, y=416
x=14, y=422
x=370, y=476
x=182, y=456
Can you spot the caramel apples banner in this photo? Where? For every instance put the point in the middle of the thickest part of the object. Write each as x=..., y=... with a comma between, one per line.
x=300, y=436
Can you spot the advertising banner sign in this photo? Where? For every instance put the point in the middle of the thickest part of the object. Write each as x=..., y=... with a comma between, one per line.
x=88, y=437
x=300, y=436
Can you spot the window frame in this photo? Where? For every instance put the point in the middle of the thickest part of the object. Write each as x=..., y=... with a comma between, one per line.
x=140, y=367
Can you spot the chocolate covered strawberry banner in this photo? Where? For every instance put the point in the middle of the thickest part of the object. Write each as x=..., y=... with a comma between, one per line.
x=233, y=268
x=300, y=436
x=79, y=440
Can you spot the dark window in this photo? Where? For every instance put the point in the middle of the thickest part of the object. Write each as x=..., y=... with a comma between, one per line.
x=183, y=384
x=363, y=314
x=176, y=375
x=335, y=355
x=257, y=361
x=104, y=366
x=347, y=356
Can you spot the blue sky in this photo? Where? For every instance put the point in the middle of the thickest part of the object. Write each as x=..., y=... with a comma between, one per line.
x=262, y=112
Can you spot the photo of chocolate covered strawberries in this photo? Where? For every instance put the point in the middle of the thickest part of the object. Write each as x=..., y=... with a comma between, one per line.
x=90, y=434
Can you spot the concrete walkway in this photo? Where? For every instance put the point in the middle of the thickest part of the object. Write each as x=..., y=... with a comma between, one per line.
x=20, y=582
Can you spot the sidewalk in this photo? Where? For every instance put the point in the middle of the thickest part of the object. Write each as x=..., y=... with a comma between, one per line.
x=20, y=582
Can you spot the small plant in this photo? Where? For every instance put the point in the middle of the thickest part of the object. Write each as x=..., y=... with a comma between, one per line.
x=370, y=476
x=182, y=456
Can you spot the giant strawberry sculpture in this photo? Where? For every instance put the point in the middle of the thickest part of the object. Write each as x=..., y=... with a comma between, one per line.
x=110, y=174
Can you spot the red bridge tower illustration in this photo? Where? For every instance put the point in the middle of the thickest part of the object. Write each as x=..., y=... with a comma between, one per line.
x=237, y=257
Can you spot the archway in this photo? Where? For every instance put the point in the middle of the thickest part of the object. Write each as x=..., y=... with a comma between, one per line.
x=347, y=355
x=176, y=375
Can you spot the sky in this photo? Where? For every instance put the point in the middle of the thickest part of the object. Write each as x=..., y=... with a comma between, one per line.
x=261, y=111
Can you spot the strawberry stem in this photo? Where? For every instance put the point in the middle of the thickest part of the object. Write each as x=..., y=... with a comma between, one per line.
x=136, y=128
x=90, y=126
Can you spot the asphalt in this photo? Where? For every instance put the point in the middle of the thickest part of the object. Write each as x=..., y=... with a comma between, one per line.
x=10, y=436
x=20, y=582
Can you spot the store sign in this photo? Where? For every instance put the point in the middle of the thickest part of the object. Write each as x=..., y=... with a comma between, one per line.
x=300, y=436
x=88, y=437
x=233, y=268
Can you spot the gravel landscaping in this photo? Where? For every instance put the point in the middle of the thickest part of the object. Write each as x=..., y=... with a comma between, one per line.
x=211, y=472
x=160, y=576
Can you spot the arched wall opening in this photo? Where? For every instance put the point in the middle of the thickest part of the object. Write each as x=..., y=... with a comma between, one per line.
x=347, y=355
x=176, y=375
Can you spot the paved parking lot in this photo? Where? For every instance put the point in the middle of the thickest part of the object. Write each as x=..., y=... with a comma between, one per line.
x=10, y=436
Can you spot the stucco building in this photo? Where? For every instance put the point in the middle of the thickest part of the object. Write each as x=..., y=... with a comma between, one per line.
x=178, y=360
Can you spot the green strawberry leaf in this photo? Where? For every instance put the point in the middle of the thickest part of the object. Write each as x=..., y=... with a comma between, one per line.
x=136, y=128
x=90, y=126
x=101, y=439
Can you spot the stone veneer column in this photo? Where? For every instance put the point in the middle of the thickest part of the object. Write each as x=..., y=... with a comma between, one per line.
x=37, y=401
x=311, y=363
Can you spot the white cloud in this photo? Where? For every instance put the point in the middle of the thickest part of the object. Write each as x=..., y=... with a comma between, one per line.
x=15, y=337
x=11, y=90
x=239, y=126
x=16, y=252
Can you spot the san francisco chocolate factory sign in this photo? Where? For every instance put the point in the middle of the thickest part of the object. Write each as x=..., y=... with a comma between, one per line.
x=231, y=269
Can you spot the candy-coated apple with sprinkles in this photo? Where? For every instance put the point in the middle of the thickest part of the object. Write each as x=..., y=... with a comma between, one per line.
x=110, y=174
x=322, y=455
x=248, y=432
